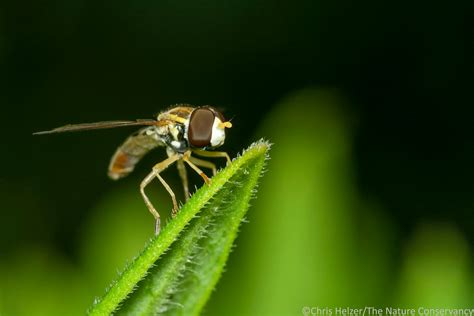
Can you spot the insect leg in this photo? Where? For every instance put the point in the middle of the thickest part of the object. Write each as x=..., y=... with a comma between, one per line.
x=159, y=167
x=156, y=173
x=184, y=178
x=152, y=210
x=204, y=163
x=213, y=154
x=186, y=158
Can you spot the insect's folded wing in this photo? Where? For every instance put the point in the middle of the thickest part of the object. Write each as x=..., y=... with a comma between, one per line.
x=97, y=125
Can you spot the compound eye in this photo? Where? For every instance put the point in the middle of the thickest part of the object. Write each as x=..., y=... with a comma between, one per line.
x=200, y=127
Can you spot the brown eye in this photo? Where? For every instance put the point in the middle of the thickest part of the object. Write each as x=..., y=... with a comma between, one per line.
x=200, y=127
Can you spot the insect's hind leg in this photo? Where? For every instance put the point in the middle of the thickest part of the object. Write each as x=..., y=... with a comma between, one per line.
x=159, y=167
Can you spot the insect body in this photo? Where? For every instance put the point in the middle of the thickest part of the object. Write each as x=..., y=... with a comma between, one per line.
x=183, y=130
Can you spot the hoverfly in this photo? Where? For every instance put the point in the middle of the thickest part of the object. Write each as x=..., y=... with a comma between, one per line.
x=184, y=130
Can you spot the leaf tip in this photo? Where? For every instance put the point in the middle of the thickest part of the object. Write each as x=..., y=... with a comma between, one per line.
x=260, y=146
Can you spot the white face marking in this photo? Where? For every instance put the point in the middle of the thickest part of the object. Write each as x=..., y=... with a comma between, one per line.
x=218, y=133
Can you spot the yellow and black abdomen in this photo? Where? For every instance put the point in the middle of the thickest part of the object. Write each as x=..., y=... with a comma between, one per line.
x=132, y=151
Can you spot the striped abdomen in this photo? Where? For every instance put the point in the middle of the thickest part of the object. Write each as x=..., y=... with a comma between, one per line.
x=132, y=150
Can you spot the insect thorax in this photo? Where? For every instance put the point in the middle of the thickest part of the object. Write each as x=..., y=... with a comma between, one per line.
x=173, y=137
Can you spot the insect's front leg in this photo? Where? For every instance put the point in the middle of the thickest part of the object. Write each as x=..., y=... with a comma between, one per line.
x=204, y=163
x=159, y=167
x=186, y=158
x=213, y=154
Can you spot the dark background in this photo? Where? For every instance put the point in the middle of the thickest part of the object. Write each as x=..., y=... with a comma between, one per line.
x=406, y=68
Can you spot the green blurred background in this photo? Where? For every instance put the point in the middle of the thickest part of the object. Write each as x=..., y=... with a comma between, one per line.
x=368, y=198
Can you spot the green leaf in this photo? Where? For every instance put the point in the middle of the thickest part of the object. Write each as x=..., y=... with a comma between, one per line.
x=181, y=280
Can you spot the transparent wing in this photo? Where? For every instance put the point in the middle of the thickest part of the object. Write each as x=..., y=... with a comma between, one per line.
x=97, y=125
